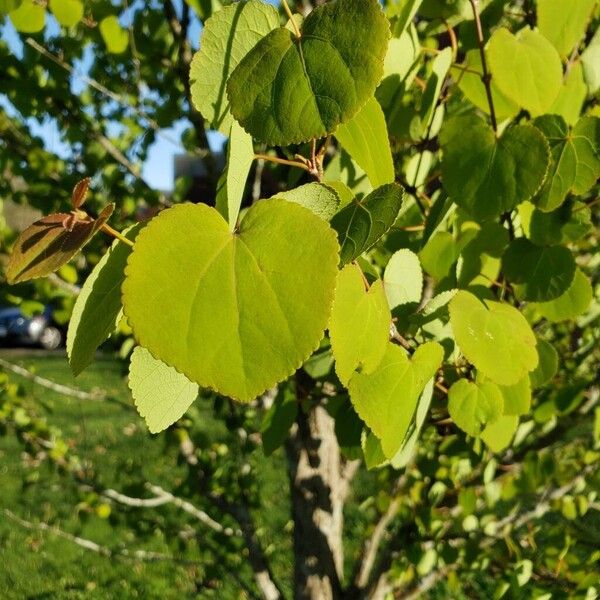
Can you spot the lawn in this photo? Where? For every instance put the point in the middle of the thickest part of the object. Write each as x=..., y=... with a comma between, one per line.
x=37, y=564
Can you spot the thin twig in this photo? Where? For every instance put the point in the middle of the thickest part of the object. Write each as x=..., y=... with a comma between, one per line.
x=51, y=385
x=486, y=76
x=282, y=161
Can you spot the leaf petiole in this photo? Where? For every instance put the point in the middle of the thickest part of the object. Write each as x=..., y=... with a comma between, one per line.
x=291, y=18
x=114, y=233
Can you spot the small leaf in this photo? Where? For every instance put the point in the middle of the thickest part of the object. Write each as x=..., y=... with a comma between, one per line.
x=161, y=394
x=98, y=306
x=286, y=91
x=365, y=138
x=80, y=192
x=226, y=38
x=590, y=60
x=575, y=164
x=386, y=399
x=574, y=302
x=439, y=254
x=439, y=69
x=359, y=326
x=279, y=418
x=517, y=397
x=563, y=23
x=498, y=435
x=493, y=336
x=473, y=405
x=526, y=68
x=363, y=222
x=487, y=176
x=321, y=199
x=50, y=243
x=403, y=278
x=230, y=191
x=548, y=365
x=538, y=273
x=234, y=312
x=28, y=17
x=403, y=13
x=568, y=223
x=67, y=12
x=114, y=36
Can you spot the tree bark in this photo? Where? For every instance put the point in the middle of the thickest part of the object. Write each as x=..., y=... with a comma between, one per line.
x=319, y=481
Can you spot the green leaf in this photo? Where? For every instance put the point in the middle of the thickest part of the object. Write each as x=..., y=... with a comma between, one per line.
x=526, y=68
x=498, y=435
x=386, y=399
x=29, y=17
x=226, y=38
x=590, y=60
x=563, y=22
x=572, y=95
x=234, y=312
x=439, y=69
x=487, y=176
x=365, y=138
x=359, y=327
x=494, y=337
x=372, y=451
x=278, y=419
x=575, y=164
x=548, y=365
x=363, y=222
x=539, y=273
x=114, y=36
x=439, y=254
x=50, y=243
x=97, y=309
x=406, y=452
x=403, y=12
x=574, y=302
x=286, y=91
x=471, y=85
x=161, y=394
x=472, y=405
x=321, y=199
x=67, y=12
x=230, y=191
x=517, y=397
x=568, y=223
x=7, y=6
x=403, y=278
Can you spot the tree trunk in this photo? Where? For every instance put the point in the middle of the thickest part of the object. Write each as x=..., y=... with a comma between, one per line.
x=319, y=483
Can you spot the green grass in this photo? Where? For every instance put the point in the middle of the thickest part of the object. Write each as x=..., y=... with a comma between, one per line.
x=112, y=437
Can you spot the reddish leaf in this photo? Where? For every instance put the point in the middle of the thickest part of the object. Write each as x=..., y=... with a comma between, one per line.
x=80, y=192
x=51, y=242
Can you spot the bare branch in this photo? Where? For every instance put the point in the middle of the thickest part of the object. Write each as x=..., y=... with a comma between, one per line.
x=96, y=395
x=143, y=555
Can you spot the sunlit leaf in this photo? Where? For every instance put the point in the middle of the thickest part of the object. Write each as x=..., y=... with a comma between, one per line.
x=233, y=312
x=161, y=394
x=321, y=199
x=28, y=17
x=403, y=278
x=67, y=12
x=548, y=365
x=472, y=405
x=114, y=36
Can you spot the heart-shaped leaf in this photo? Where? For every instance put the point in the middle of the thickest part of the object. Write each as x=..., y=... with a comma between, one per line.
x=236, y=312
x=472, y=405
x=548, y=365
x=50, y=243
x=487, y=176
x=226, y=38
x=161, y=394
x=359, y=327
x=493, y=336
x=526, y=68
x=98, y=305
x=363, y=222
x=497, y=435
x=575, y=165
x=386, y=399
x=288, y=90
x=539, y=273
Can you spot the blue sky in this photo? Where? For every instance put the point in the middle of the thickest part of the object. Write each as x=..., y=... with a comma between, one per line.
x=157, y=171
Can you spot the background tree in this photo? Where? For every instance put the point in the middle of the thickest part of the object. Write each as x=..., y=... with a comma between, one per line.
x=452, y=303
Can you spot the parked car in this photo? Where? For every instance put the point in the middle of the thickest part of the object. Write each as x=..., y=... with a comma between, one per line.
x=17, y=328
